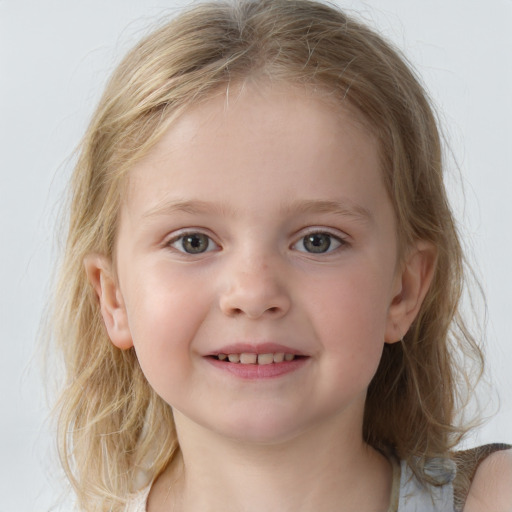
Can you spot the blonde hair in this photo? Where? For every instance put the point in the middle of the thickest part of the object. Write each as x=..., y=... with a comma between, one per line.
x=110, y=418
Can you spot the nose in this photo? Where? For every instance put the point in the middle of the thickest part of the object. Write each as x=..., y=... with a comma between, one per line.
x=255, y=289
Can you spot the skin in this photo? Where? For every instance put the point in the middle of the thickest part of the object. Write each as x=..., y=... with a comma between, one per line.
x=492, y=485
x=254, y=175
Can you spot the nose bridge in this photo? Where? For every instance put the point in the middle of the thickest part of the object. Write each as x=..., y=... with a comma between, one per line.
x=255, y=286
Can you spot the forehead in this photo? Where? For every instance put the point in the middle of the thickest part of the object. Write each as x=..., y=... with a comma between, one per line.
x=290, y=139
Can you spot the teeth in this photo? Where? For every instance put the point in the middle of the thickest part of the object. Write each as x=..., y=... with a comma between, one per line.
x=279, y=358
x=265, y=358
x=250, y=358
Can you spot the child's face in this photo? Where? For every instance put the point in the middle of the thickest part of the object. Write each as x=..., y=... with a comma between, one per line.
x=259, y=225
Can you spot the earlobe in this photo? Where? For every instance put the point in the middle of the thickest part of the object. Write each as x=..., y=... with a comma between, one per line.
x=412, y=284
x=99, y=273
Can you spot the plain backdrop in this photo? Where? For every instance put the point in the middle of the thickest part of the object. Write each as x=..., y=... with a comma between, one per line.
x=55, y=57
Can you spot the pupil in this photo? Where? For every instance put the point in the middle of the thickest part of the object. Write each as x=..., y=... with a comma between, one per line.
x=318, y=242
x=195, y=243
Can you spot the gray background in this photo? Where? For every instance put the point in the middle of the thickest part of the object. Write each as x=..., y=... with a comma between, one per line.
x=55, y=57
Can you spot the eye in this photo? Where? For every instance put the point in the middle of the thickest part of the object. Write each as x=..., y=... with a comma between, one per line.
x=193, y=243
x=318, y=243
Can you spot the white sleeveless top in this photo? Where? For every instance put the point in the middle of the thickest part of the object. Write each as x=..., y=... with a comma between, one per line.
x=415, y=497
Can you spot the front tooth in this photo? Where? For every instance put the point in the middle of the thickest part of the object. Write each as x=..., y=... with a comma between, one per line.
x=289, y=357
x=248, y=358
x=279, y=357
x=265, y=358
x=234, y=358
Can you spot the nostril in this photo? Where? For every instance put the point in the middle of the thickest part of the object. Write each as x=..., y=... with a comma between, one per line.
x=235, y=312
x=254, y=300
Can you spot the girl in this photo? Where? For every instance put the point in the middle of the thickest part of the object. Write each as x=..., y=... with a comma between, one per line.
x=258, y=300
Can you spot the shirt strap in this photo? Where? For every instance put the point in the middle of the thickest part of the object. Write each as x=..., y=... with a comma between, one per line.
x=467, y=463
x=395, y=487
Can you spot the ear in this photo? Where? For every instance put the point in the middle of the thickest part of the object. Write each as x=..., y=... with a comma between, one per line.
x=411, y=285
x=101, y=276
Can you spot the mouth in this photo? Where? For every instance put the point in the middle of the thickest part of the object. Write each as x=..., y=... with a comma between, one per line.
x=258, y=359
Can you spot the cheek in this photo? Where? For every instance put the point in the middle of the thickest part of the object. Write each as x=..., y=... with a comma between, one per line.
x=164, y=315
x=355, y=304
x=162, y=303
x=350, y=320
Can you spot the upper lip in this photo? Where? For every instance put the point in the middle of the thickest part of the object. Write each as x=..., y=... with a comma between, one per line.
x=256, y=348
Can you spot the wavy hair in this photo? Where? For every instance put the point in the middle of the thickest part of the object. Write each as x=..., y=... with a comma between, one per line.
x=110, y=420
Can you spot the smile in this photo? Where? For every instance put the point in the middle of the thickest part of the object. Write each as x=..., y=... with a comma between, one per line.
x=259, y=359
x=257, y=364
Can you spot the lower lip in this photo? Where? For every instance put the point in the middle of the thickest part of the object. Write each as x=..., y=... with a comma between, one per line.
x=259, y=371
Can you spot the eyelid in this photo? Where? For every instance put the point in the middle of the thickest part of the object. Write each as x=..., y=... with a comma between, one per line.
x=311, y=230
x=340, y=237
x=180, y=234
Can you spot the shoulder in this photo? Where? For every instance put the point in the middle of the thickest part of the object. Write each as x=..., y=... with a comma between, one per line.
x=491, y=488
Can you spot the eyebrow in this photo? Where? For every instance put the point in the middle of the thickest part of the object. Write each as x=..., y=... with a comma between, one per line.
x=193, y=207
x=344, y=208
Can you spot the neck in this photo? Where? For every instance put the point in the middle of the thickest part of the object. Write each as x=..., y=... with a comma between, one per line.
x=316, y=470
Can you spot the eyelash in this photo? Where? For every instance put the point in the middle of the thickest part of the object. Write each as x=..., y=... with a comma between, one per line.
x=339, y=242
x=201, y=238
x=211, y=245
